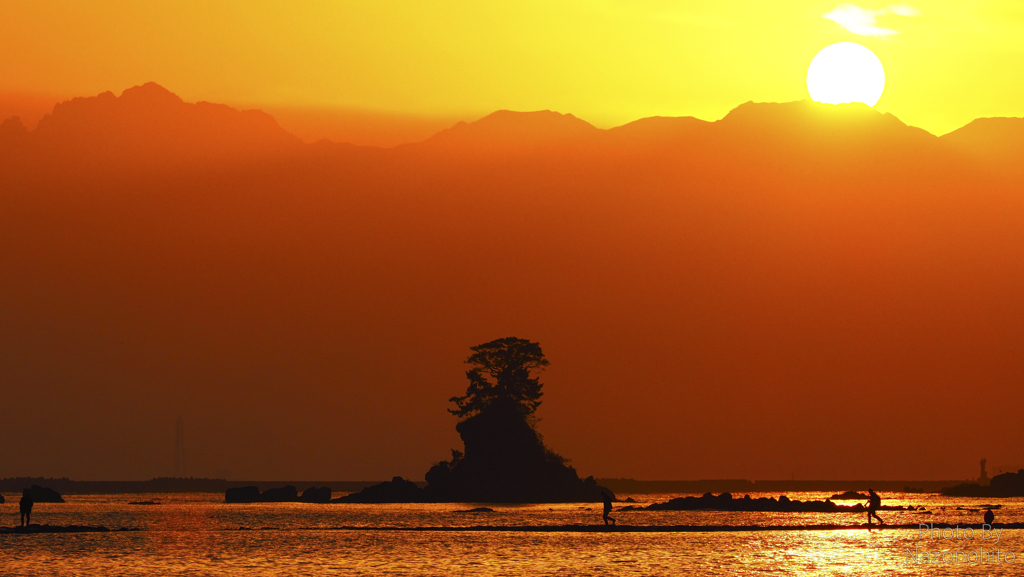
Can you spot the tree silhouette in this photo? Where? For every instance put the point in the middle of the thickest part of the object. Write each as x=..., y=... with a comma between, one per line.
x=501, y=378
x=505, y=459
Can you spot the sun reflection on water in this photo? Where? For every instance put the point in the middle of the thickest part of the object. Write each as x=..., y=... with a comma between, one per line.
x=199, y=535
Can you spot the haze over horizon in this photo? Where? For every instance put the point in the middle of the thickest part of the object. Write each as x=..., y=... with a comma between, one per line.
x=359, y=127
x=780, y=293
x=336, y=69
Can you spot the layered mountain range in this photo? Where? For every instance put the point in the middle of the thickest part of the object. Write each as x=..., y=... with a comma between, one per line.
x=730, y=289
x=149, y=123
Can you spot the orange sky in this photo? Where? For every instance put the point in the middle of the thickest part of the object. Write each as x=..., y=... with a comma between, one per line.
x=412, y=66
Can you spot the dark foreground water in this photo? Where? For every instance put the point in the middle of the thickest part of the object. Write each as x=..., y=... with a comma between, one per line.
x=200, y=535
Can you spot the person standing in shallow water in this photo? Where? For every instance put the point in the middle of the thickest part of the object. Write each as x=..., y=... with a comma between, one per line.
x=874, y=502
x=607, y=508
x=26, y=509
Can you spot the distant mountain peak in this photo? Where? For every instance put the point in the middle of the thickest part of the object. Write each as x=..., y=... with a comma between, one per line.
x=997, y=140
x=812, y=122
x=803, y=111
x=12, y=125
x=151, y=122
x=658, y=130
x=12, y=133
x=149, y=98
x=536, y=118
x=511, y=128
x=150, y=93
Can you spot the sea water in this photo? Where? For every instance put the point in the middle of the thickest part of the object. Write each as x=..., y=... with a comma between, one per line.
x=198, y=534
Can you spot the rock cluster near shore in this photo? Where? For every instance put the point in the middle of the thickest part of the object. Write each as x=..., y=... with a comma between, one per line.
x=849, y=496
x=505, y=462
x=505, y=459
x=725, y=502
x=397, y=490
x=1005, y=485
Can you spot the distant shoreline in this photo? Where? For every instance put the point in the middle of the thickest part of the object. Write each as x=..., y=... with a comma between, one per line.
x=741, y=486
x=66, y=486
x=193, y=485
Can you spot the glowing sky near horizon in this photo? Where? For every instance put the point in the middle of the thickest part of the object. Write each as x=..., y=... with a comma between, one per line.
x=609, y=61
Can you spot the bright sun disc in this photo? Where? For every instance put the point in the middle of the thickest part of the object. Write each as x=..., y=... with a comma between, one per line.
x=845, y=72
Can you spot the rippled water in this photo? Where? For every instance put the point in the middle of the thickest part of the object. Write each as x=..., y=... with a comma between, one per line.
x=200, y=535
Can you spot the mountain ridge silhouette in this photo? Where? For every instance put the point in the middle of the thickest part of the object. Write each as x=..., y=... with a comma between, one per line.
x=992, y=141
x=149, y=120
x=150, y=123
x=505, y=127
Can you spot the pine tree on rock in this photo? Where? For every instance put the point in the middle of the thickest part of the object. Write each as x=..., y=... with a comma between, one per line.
x=505, y=460
x=501, y=378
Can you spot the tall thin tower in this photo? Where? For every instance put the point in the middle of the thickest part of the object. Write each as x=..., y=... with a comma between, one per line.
x=179, y=448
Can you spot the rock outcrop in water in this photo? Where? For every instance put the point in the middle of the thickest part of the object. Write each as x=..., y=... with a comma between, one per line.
x=397, y=490
x=286, y=494
x=849, y=496
x=1005, y=485
x=725, y=502
x=316, y=495
x=43, y=495
x=250, y=494
x=505, y=459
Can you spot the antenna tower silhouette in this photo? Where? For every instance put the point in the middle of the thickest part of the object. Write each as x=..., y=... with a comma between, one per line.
x=179, y=448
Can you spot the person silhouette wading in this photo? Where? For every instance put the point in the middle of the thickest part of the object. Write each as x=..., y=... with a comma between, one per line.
x=874, y=502
x=607, y=508
x=26, y=509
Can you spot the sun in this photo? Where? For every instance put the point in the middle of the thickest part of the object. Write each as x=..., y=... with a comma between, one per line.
x=845, y=72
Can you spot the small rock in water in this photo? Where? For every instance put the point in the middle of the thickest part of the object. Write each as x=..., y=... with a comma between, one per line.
x=43, y=494
x=285, y=494
x=250, y=494
x=849, y=496
x=316, y=495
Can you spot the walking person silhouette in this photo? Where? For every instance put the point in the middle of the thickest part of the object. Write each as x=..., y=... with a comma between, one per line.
x=26, y=509
x=874, y=502
x=607, y=507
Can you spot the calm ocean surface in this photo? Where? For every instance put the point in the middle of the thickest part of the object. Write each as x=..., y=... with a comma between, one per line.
x=197, y=534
